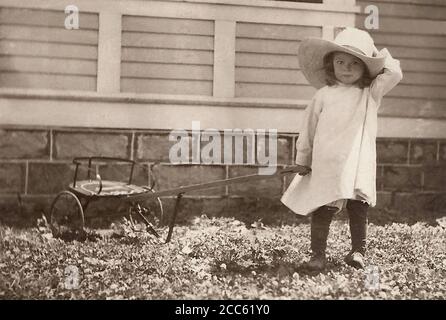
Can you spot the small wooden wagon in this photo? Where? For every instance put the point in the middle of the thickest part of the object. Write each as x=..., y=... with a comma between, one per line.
x=144, y=203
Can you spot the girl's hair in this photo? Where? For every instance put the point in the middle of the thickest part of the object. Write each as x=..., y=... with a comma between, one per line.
x=331, y=80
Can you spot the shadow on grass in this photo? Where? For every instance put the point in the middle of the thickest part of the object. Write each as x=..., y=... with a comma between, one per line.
x=280, y=269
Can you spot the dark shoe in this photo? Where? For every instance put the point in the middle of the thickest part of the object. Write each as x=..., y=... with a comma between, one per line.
x=317, y=262
x=320, y=226
x=355, y=259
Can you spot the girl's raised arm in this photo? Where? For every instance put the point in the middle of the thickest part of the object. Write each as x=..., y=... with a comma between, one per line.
x=390, y=77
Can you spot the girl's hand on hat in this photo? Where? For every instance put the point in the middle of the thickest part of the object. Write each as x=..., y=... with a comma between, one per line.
x=384, y=52
x=375, y=52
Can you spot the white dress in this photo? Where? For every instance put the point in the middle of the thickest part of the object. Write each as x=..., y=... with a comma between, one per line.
x=337, y=140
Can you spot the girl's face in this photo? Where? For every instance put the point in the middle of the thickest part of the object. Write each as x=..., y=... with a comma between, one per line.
x=347, y=68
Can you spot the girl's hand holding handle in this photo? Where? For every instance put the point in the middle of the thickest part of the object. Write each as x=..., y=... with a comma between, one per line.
x=303, y=170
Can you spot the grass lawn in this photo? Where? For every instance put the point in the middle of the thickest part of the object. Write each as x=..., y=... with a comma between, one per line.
x=222, y=259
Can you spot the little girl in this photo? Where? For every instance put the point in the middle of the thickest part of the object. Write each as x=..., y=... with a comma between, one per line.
x=337, y=139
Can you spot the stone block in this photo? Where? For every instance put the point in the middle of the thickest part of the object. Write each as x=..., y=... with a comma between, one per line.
x=379, y=178
x=420, y=203
x=121, y=172
x=239, y=147
x=233, y=149
x=267, y=188
x=383, y=199
x=284, y=150
x=24, y=144
x=12, y=177
x=213, y=149
x=68, y=145
x=157, y=147
x=49, y=178
x=442, y=152
x=153, y=147
x=173, y=176
x=402, y=178
x=435, y=177
x=423, y=151
x=392, y=151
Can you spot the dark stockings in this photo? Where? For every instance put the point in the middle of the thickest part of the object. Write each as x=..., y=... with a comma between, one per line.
x=357, y=215
x=320, y=226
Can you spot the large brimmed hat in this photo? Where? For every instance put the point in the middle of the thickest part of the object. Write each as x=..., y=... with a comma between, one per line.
x=356, y=42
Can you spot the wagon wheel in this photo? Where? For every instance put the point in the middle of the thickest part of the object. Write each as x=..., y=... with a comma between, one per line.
x=149, y=212
x=67, y=217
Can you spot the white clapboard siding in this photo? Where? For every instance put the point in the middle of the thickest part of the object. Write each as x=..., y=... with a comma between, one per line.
x=440, y=3
x=266, y=61
x=410, y=25
x=166, y=86
x=52, y=50
x=171, y=41
x=418, y=53
x=54, y=35
x=414, y=107
x=46, y=81
x=36, y=51
x=262, y=60
x=47, y=65
x=168, y=25
x=418, y=91
x=411, y=10
x=166, y=71
x=277, y=91
x=256, y=75
x=45, y=18
x=276, y=32
x=409, y=40
x=424, y=78
x=203, y=57
x=271, y=46
x=166, y=55
x=413, y=32
x=422, y=65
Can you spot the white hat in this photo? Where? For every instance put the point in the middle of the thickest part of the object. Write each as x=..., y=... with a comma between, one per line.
x=351, y=40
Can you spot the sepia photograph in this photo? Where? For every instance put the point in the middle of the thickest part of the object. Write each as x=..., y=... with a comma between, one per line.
x=223, y=155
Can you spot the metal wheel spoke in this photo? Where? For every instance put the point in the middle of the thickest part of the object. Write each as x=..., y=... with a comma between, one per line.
x=149, y=212
x=67, y=215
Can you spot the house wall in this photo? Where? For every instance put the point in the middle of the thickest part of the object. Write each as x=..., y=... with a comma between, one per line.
x=136, y=70
x=415, y=33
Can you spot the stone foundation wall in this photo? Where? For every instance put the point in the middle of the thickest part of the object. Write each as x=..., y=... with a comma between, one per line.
x=36, y=164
